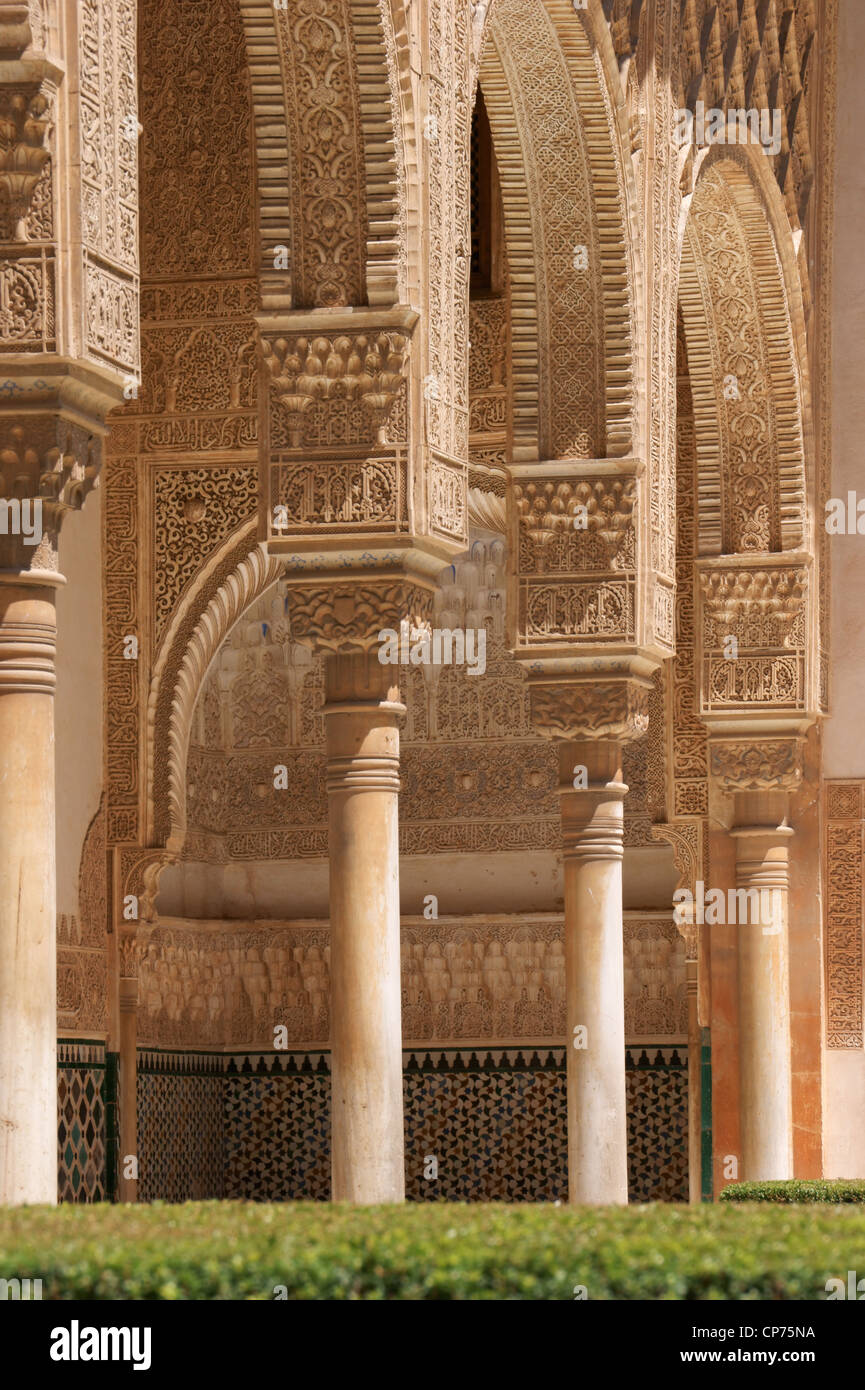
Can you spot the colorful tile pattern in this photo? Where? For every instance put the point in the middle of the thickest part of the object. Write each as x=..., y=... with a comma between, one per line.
x=258, y=1126
x=180, y=1128
x=80, y=1122
x=495, y=1122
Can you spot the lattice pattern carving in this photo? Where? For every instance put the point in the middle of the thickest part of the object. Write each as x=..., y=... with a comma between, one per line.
x=326, y=151
x=844, y=860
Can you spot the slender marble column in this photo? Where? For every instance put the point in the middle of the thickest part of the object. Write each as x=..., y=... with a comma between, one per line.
x=764, y=997
x=695, y=1097
x=592, y=827
x=28, y=965
x=766, y=1109
x=362, y=712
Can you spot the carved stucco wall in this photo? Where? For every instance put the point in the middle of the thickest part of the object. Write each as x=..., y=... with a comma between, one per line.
x=494, y=979
x=181, y=474
x=78, y=714
x=476, y=777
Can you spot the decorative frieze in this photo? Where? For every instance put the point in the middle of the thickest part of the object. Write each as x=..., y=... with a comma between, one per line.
x=463, y=980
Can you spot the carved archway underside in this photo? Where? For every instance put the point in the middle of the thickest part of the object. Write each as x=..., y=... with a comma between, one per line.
x=559, y=153
x=324, y=89
x=749, y=398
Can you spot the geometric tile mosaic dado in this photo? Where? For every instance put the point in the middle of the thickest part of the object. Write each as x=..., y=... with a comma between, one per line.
x=81, y=1139
x=478, y=979
x=257, y=1127
x=844, y=858
x=180, y=1132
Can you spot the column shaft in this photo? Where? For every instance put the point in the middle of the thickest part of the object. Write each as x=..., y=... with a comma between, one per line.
x=592, y=824
x=764, y=1003
x=362, y=712
x=28, y=952
x=695, y=1098
x=128, y=1119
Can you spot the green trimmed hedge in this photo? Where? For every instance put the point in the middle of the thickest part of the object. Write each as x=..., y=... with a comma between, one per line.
x=819, y=1190
x=227, y=1250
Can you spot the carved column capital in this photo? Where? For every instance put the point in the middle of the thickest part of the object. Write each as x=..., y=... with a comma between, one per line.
x=582, y=708
x=347, y=612
x=47, y=468
x=756, y=764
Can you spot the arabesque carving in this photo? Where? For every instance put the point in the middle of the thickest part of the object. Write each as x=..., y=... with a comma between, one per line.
x=590, y=709
x=765, y=765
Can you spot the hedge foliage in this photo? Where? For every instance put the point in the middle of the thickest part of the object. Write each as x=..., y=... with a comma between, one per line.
x=839, y=1190
x=227, y=1250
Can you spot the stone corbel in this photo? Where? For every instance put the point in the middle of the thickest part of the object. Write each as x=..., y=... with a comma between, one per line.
x=136, y=883
x=686, y=840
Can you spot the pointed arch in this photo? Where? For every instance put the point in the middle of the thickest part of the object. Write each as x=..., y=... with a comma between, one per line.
x=326, y=98
x=741, y=303
x=237, y=575
x=559, y=129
